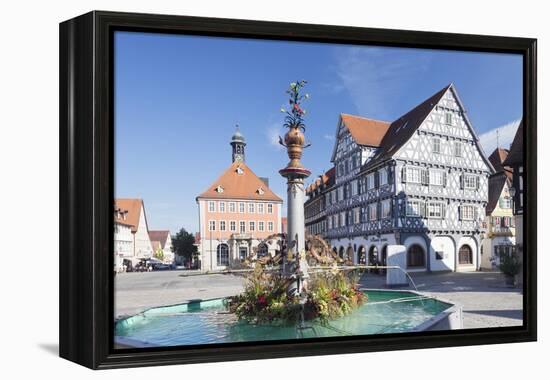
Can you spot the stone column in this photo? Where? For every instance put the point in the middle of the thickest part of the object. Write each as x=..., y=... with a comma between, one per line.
x=294, y=262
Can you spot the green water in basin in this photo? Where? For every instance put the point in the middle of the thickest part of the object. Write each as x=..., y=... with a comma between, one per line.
x=208, y=322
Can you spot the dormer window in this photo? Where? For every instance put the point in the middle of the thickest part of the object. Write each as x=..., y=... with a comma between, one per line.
x=219, y=189
x=239, y=170
x=260, y=191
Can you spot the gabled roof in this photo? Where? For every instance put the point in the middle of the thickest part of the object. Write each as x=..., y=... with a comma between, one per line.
x=134, y=206
x=120, y=217
x=365, y=131
x=497, y=158
x=515, y=157
x=238, y=181
x=496, y=184
x=156, y=245
x=160, y=236
x=401, y=130
x=326, y=178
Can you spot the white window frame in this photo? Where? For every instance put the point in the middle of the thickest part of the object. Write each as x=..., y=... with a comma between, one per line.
x=260, y=208
x=232, y=207
x=211, y=225
x=410, y=210
x=251, y=225
x=242, y=207
x=211, y=206
x=270, y=226
x=385, y=209
x=435, y=210
x=467, y=178
x=270, y=208
x=232, y=226
x=457, y=149
x=467, y=217
x=449, y=118
x=242, y=226
x=417, y=178
x=370, y=181
x=251, y=207
x=261, y=226
x=373, y=211
x=223, y=225
x=436, y=145
x=505, y=202
x=221, y=206
x=383, y=176
x=356, y=215
x=437, y=174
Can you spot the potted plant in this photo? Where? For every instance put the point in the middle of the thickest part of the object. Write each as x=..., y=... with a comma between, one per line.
x=510, y=266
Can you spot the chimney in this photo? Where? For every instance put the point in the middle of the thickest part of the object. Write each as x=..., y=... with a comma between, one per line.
x=265, y=180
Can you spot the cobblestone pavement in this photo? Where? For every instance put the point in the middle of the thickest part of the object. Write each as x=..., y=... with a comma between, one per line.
x=487, y=302
x=135, y=292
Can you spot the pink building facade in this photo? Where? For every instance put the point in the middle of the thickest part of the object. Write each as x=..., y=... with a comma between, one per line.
x=237, y=213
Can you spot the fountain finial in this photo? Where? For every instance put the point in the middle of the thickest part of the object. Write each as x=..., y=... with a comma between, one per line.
x=294, y=262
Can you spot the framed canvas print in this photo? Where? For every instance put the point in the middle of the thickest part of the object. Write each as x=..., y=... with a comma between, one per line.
x=237, y=189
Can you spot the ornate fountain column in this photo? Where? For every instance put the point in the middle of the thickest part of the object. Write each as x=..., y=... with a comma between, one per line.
x=294, y=261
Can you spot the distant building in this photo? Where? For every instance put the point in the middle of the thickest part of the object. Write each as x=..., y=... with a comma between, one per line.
x=236, y=212
x=500, y=225
x=420, y=181
x=136, y=218
x=315, y=206
x=123, y=239
x=515, y=161
x=284, y=225
x=162, y=243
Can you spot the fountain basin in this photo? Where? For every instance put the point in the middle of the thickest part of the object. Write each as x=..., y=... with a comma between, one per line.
x=207, y=322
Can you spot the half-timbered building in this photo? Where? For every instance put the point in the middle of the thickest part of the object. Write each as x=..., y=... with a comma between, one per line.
x=420, y=181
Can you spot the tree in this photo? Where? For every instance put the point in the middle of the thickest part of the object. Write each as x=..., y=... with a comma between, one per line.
x=184, y=245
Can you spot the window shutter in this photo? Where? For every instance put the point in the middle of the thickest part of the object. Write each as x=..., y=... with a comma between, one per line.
x=390, y=175
x=376, y=180
x=459, y=212
x=404, y=174
x=462, y=181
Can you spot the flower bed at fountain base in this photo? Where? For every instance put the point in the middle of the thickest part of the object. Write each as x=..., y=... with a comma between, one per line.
x=266, y=300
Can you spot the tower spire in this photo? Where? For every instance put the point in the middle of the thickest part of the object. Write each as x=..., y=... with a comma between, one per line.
x=237, y=145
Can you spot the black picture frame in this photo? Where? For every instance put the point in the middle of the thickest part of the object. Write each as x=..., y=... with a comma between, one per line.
x=86, y=188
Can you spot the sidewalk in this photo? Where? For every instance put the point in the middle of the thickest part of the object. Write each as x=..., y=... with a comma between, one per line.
x=486, y=301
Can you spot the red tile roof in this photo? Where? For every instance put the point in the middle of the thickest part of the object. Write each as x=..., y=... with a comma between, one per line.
x=133, y=205
x=325, y=179
x=160, y=236
x=238, y=181
x=497, y=158
x=365, y=131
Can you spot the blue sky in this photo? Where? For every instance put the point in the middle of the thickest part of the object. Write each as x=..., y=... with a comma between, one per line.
x=178, y=98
